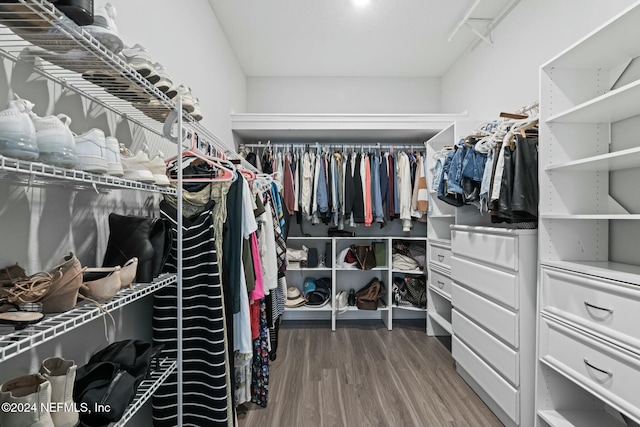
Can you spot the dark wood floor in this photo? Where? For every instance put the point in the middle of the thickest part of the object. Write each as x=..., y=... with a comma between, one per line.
x=365, y=375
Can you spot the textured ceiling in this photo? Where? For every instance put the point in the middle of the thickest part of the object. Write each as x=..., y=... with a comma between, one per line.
x=386, y=38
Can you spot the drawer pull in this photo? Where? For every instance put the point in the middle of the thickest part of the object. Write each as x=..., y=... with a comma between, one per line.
x=440, y=257
x=441, y=283
x=610, y=374
x=598, y=308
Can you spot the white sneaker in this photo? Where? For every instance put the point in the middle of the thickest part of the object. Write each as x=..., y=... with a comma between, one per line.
x=91, y=151
x=17, y=133
x=164, y=83
x=104, y=27
x=136, y=168
x=55, y=140
x=158, y=168
x=114, y=162
x=140, y=60
x=187, y=98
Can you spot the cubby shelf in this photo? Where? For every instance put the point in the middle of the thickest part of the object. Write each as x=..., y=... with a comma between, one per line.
x=409, y=308
x=619, y=160
x=582, y=418
x=441, y=321
x=613, y=270
x=21, y=341
x=591, y=216
x=307, y=308
x=439, y=292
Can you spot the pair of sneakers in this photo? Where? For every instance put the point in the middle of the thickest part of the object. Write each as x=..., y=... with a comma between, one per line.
x=140, y=60
x=26, y=136
x=140, y=168
x=98, y=153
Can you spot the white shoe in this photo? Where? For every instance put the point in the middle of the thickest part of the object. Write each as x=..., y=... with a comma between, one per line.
x=114, y=162
x=104, y=28
x=158, y=168
x=55, y=140
x=91, y=151
x=136, y=168
x=187, y=98
x=61, y=374
x=140, y=60
x=164, y=84
x=197, y=113
x=17, y=133
x=29, y=391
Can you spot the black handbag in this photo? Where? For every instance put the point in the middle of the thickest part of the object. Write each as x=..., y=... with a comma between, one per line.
x=365, y=255
x=148, y=239
x=111, y=379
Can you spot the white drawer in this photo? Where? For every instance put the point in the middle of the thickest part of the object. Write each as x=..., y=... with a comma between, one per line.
x=609, y=373
x=505, y=396
x=440, y=255
x=495, y=353
x=496, y=284
x=604, y=306
x=441, y=282
x=498, y=320
x=490, y=248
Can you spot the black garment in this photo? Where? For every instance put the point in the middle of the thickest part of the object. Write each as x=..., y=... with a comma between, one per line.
x=349, y=189
x=205, y=399
x=358, y=202
x=232, y=246
x=384, y=188
x=252, y=158
x=518, y=201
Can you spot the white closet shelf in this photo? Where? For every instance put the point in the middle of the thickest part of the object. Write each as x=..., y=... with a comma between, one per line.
x=628, y=273
x=309, y=238
x=146, y=389
x=307, y=308
x=619, y=160
x=611, y=44
x=410, y=238
x=309, y=269
x=441, y=321
x=443, y=138
x=39, y=174
x=414, y=272
x=409, y=308
x=18, y=342
x=354, y=308
x=442, y=216
x=592, y=216
x=619, y=104
x=579, y=418
x=357, y=269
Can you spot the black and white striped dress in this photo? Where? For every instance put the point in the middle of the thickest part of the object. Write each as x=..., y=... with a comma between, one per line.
x=205, y=399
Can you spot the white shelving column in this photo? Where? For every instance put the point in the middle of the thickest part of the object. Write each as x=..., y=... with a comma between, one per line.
x=588, y=297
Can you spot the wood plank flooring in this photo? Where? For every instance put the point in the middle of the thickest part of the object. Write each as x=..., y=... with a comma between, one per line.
x=364, y=375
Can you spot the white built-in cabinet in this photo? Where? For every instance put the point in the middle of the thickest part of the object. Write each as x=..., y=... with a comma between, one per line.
x=588, y=365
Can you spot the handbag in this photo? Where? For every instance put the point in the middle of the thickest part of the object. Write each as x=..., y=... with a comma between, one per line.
x=111, y=377
x=370, y=295
x=148, y=239
x=365, y=256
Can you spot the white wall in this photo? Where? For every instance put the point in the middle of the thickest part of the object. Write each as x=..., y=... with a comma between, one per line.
x=187, y=39
x=343, y=95
x=505, y=77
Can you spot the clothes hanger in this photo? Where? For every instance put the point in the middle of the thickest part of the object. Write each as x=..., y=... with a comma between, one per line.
x=224, y=169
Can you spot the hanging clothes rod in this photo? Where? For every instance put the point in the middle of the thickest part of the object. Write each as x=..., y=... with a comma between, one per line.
x=336, y=145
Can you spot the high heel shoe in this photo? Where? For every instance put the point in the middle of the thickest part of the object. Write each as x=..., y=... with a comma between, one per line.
x=101, y=284
x=66, y=280
x=128, y=273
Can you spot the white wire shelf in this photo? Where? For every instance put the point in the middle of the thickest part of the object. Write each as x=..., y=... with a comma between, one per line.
x=40, y=174
x=15, y=343
x=146, y=389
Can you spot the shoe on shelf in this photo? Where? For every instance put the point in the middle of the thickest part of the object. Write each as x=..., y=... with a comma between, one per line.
x=128, y=273
x=79, y=11
x=114, y=163
x=158, y=168
x=61, y=374
x=66, y=280
x=140, y=60
x=136, y=168
x=154, y=109
x=17, y=133
x=187, y=98
x=104, y=28
x=91, y=151
x=164, y=84
x=101, y=284
x=196, y=114
x=55, y=140
x=28, y=391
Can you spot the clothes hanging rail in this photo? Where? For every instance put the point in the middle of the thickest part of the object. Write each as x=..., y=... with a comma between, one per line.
x=345, y=145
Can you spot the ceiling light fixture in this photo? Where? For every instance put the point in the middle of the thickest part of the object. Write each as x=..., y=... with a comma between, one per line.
x=361, y=3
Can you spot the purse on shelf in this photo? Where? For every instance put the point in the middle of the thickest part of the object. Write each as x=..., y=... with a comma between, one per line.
x=365, y=255
x=370, y=295
x=148, y=239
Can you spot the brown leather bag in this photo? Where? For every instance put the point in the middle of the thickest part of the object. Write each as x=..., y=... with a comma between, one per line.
x=365, y=255
x=368, y=297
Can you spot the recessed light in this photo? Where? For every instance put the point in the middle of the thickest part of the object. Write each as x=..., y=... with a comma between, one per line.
x=361, y=3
